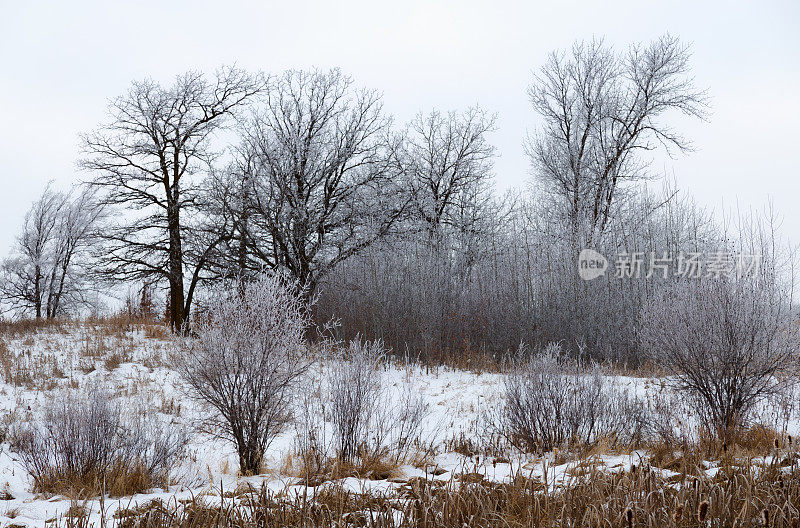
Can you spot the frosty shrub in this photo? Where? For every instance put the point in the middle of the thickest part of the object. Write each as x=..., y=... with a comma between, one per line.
x=551, y=400
x=359, y=418
x=396, y=422
x=355, y=387
x=245, y=364
x=312, y=442
x=728, y=344
x=88, y=443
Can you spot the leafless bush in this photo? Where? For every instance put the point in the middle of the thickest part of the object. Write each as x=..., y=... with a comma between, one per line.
x=313, y=442
x=551, y=401
x=246, y=362
x=358, y=420
x=783, y=406
x=89, y=444
x=397, y=422
x=729, y=343
x=7, y=422
x=777, y=411
x=155, y=443
x=355, y=386
x=665, y=417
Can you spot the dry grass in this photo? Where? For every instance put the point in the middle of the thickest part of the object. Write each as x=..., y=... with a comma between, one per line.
x=118, y=480
x=314, y=470
x=122, y=324
x=22, y=327
x=156, y=330
x=6, y=360
x=768, y=496
x=467, y=359
x=33, y=357
x=115, y=360
x=464, y=445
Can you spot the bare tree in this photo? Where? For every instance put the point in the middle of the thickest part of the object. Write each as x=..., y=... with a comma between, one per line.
x=46, y=274
x=146, y=159
x=601, y=109
x=322, y=188
x=25, y=276
x=229, y=203
x=448, y=161
x=80, y=222
x=246, y=361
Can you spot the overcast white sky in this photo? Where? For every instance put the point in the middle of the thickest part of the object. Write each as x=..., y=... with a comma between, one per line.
x=62, y=61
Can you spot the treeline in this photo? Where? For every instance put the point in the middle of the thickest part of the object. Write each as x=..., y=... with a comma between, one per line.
x=395, y=231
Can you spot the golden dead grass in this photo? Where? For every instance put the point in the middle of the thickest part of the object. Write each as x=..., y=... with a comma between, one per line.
x=314, y=471
x=118, y=480
x=768, y=496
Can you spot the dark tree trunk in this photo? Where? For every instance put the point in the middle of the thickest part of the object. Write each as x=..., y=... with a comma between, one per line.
x=38, y=293
x=177, y=315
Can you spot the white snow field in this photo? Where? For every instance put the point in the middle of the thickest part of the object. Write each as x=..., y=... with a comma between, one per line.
x=134, y=366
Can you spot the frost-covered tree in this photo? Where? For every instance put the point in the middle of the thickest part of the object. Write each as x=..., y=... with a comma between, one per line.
x=314, y=179
x=601, y=110
x=146, y=159
x=447, y=160
x=46, y=275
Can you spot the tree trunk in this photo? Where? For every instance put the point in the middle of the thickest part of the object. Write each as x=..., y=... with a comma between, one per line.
x=177, y=315
x=37, y=292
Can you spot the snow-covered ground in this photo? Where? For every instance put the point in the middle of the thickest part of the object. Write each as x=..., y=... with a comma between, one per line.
x=136, y=367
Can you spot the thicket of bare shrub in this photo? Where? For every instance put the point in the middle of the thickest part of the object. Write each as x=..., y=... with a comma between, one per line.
x=729, y=342
x=552, y=400
x=245, y=364
x=357, y=422
x=355, y=385
x=519, y=283
x=89, y=443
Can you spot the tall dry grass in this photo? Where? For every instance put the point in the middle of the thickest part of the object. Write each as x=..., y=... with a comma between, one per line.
x=735, y=496
x=16, y=328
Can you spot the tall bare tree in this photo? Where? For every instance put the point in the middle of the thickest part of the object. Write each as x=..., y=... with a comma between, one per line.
x=448, y=162
x=601, y=110
x=46, y=273
x=146, y=159
x=317, y=169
